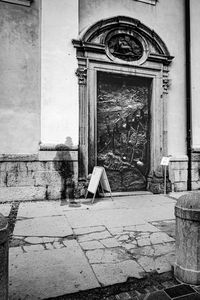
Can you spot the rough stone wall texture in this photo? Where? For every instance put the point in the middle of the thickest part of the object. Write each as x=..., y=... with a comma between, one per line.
x=178, y=174
x=37, y=180
x=196, y=171
x=19, y=78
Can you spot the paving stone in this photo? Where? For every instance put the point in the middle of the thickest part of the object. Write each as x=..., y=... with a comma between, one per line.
x=33, y=248
x=143, y=251
x=110, y=243
x=147, y=263
x=5, y=209
x=159, y=295
x=179, y=290
x=143, y=227
x=16, y=251
x=160, y=237
x=123, y=296
x=109, y=273
x=86, y=230
x=115, y=230
x=161, y=249
x=162, y=265
x=38, y=209
x=33, y=240
x=129, y=246
x=49, y=246
x=46, y=226
x=124, y=237
x=58, y=245
x=107, y=255
x=143, y=242
x=46, y=239
x=120, y=218
x=49, y=276
x=91, y=245
x=83, y=218
x=94, y=236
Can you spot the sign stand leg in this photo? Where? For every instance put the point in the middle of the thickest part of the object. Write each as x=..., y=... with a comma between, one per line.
x=93, y=198
x=165, y=180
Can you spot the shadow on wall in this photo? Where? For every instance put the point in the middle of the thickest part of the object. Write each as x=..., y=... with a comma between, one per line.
x=63, y=164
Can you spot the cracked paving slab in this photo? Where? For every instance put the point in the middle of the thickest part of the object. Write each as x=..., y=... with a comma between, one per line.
x=56, y=226
x=39, y=209
x=114, y=255
x=109, y=274
x=49, y=273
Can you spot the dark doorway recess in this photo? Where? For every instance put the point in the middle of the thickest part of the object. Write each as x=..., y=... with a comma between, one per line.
x=124, y=129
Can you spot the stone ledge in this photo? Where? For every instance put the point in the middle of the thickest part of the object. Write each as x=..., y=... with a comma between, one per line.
x=18, y=157
x=58, y=155
x=19, y=2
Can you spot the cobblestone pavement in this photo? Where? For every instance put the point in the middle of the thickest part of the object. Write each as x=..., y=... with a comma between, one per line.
x=58, y=250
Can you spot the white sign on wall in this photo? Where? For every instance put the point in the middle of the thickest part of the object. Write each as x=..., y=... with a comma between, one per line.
x=165, y=161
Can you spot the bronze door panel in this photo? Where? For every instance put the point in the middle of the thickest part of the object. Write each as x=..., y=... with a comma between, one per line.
x=123, y=129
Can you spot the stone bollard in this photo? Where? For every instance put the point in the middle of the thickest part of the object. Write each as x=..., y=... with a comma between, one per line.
x=3, y=258
x=187, y=263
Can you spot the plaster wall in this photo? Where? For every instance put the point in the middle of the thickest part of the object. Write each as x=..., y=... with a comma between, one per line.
x=59, y=107
x=166, y=18
x=195, y=72
x=19, y=78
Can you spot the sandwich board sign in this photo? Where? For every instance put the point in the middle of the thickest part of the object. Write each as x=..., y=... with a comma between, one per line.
x=99, y=177
x=165, y=162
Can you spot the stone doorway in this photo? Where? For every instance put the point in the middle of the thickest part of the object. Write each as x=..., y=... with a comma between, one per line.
x=123, y=129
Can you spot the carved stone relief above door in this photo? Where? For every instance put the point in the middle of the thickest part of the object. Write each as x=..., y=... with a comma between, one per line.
x=122, y=47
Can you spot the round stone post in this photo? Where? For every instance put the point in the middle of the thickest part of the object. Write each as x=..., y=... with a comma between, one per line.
x=187, y=263
x=3, y=258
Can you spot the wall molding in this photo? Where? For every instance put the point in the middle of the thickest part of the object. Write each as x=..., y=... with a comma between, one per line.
x=19, y=2
x=152, y=2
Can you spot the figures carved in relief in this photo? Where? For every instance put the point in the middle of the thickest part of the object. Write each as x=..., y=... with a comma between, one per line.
x=125, y=47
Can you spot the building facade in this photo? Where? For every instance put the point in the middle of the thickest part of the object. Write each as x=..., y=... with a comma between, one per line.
x=111, y=83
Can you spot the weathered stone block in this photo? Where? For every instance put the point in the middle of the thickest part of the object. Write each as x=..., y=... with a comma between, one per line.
x=196, y=185
x=20, y=179
x=22, y=193
x=180, y=186
x=195, y=174
x=3, y=178
x=180, y=175
x=48, y=178
x=54, y=192
x=195, y=165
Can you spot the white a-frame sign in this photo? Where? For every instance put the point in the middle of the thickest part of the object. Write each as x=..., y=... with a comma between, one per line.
x=98, y=177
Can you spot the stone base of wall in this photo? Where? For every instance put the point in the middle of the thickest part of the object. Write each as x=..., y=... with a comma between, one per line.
x=196, y=170
x=156, y=182
x=46, y=176
x=178, y=173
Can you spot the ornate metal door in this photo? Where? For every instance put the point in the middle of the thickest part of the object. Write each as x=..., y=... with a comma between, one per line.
x=123, y=129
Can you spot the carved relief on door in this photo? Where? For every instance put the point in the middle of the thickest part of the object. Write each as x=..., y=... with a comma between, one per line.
x=123, y=129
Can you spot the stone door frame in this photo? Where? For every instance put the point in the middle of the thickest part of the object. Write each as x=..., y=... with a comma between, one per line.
x=92, y=57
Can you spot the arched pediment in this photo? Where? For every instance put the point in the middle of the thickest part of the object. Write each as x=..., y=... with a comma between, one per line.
x=106, y=35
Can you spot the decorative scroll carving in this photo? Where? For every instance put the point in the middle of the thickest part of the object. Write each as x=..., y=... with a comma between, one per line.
x=125, y=47
x=166, y=84
x=81, y=73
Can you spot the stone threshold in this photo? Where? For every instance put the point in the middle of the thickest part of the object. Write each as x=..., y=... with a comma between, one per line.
x=125, y=194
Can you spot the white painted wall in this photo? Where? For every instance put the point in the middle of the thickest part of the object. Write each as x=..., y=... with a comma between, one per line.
x=59, y=88
x=167, y=20
x=195, y=71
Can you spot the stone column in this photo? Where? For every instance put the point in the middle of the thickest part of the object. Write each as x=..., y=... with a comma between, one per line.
x=3, y=258
x=83, y=121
